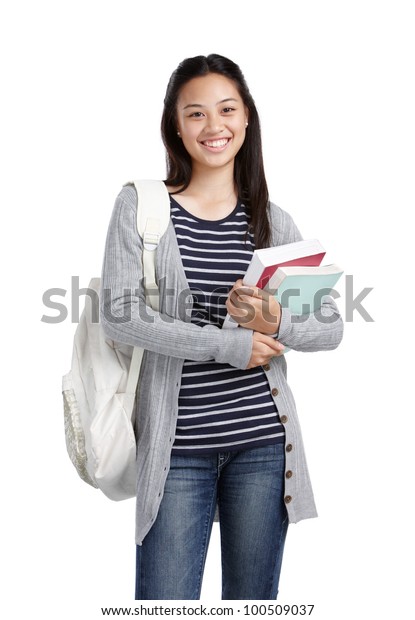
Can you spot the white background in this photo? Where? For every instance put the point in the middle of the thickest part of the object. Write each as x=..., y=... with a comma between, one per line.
x=83, y=86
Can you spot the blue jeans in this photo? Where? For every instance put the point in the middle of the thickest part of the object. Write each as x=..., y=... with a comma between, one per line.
x=249, y=488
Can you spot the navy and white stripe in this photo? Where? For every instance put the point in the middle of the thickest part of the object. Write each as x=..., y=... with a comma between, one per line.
x=221, y=408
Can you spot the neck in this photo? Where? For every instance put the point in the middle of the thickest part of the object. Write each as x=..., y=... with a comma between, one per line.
x=214, y=184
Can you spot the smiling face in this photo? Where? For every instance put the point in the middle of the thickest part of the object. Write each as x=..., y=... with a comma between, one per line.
x=211, y=118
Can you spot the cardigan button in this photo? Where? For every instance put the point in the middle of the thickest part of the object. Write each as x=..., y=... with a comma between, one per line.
x=274, y=391
x=288, y=473
x=284, y=419
x=289, y=447
x=266, y=367
x=287, y=499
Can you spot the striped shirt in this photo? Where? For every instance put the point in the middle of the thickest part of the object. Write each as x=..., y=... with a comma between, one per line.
x=221, y=408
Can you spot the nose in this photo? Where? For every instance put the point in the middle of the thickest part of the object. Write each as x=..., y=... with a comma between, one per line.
x=214, y=124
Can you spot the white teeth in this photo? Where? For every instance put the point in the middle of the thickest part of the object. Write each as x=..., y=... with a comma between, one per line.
x=216, y=142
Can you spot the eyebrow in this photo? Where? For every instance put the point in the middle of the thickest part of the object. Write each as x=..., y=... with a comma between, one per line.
x=199, y=105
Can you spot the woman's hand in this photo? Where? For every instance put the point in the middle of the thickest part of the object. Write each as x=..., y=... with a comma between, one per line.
x=263, y=349
x=254, y=308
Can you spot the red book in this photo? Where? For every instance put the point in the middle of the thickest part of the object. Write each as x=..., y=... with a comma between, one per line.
x=266, y=261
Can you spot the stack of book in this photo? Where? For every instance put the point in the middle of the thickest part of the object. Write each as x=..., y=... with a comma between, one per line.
x=294, y=274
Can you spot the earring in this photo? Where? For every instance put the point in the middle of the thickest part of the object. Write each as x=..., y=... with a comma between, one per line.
x=178, y=133
x=246, y=124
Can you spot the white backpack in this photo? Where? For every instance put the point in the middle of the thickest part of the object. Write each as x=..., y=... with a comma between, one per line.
x=99, y=391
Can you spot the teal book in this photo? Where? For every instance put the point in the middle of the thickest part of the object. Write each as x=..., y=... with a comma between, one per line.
x=301, y=288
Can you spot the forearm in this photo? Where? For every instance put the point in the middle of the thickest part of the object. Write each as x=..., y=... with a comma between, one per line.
x=320, y=331
x=160, y=333
x=126, y=318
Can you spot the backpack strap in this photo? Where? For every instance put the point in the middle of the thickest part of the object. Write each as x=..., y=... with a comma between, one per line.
x=153, y=217
x=134, y=370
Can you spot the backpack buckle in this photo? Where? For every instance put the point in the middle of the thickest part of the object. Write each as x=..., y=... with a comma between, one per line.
x=151, y=241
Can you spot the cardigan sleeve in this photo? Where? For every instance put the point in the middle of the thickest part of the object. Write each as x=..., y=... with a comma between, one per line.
x=317, y=331
x=127, y=319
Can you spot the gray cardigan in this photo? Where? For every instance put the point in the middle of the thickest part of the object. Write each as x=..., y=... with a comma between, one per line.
x=169, y=337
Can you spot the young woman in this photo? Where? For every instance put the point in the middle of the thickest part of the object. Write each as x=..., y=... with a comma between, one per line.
x=217, y=429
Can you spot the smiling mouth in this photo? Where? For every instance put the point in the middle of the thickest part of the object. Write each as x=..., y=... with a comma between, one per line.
x=216, y=145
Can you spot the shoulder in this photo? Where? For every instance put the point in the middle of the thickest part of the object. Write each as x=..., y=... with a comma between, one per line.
x=127, y=197
x=283, y=228
x=124, y=212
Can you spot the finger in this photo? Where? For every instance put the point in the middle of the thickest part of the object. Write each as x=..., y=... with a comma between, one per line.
x=241, y=301
x=231, y=304
x=236, y=286
x=255, y=302
x=273, y=344
x=253, y=291
x=245, y=289
x=278, y=346
x=236, y=310
x=234, y=297
x=248, y=291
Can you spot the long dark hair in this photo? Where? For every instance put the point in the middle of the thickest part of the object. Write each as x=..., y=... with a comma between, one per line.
x=249, y=167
